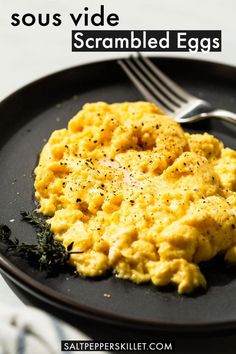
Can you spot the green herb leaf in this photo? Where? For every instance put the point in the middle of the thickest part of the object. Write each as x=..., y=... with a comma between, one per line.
x=47, y=254
x=5, y=234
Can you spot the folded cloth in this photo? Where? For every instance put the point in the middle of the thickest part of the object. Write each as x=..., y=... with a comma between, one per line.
x=26, y=330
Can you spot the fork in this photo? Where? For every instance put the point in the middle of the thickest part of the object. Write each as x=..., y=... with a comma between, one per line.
x=158, y=88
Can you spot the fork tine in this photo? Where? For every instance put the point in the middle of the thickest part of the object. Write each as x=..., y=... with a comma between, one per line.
x=148, y=84
x=171, y=85
x=146, y=70
x=141, y=88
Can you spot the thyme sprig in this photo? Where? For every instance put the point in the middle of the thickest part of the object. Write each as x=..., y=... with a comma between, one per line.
x=5, y=234
x=47, y=254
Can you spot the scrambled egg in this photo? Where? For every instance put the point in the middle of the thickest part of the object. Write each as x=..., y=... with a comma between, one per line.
x=129, y=190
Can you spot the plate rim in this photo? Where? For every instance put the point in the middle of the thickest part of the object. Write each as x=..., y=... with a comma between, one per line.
x=47, y=294
x=62, y=301
x=101, y=61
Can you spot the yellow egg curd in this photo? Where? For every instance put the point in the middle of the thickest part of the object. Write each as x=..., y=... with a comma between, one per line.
x=129, y=190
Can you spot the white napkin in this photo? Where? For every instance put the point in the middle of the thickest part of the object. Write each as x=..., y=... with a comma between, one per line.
x=26, y=330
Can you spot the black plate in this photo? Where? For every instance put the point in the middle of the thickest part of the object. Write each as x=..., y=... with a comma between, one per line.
x=27, y=119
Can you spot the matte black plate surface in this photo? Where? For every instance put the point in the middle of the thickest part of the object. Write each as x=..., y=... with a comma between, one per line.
x=27, y=119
